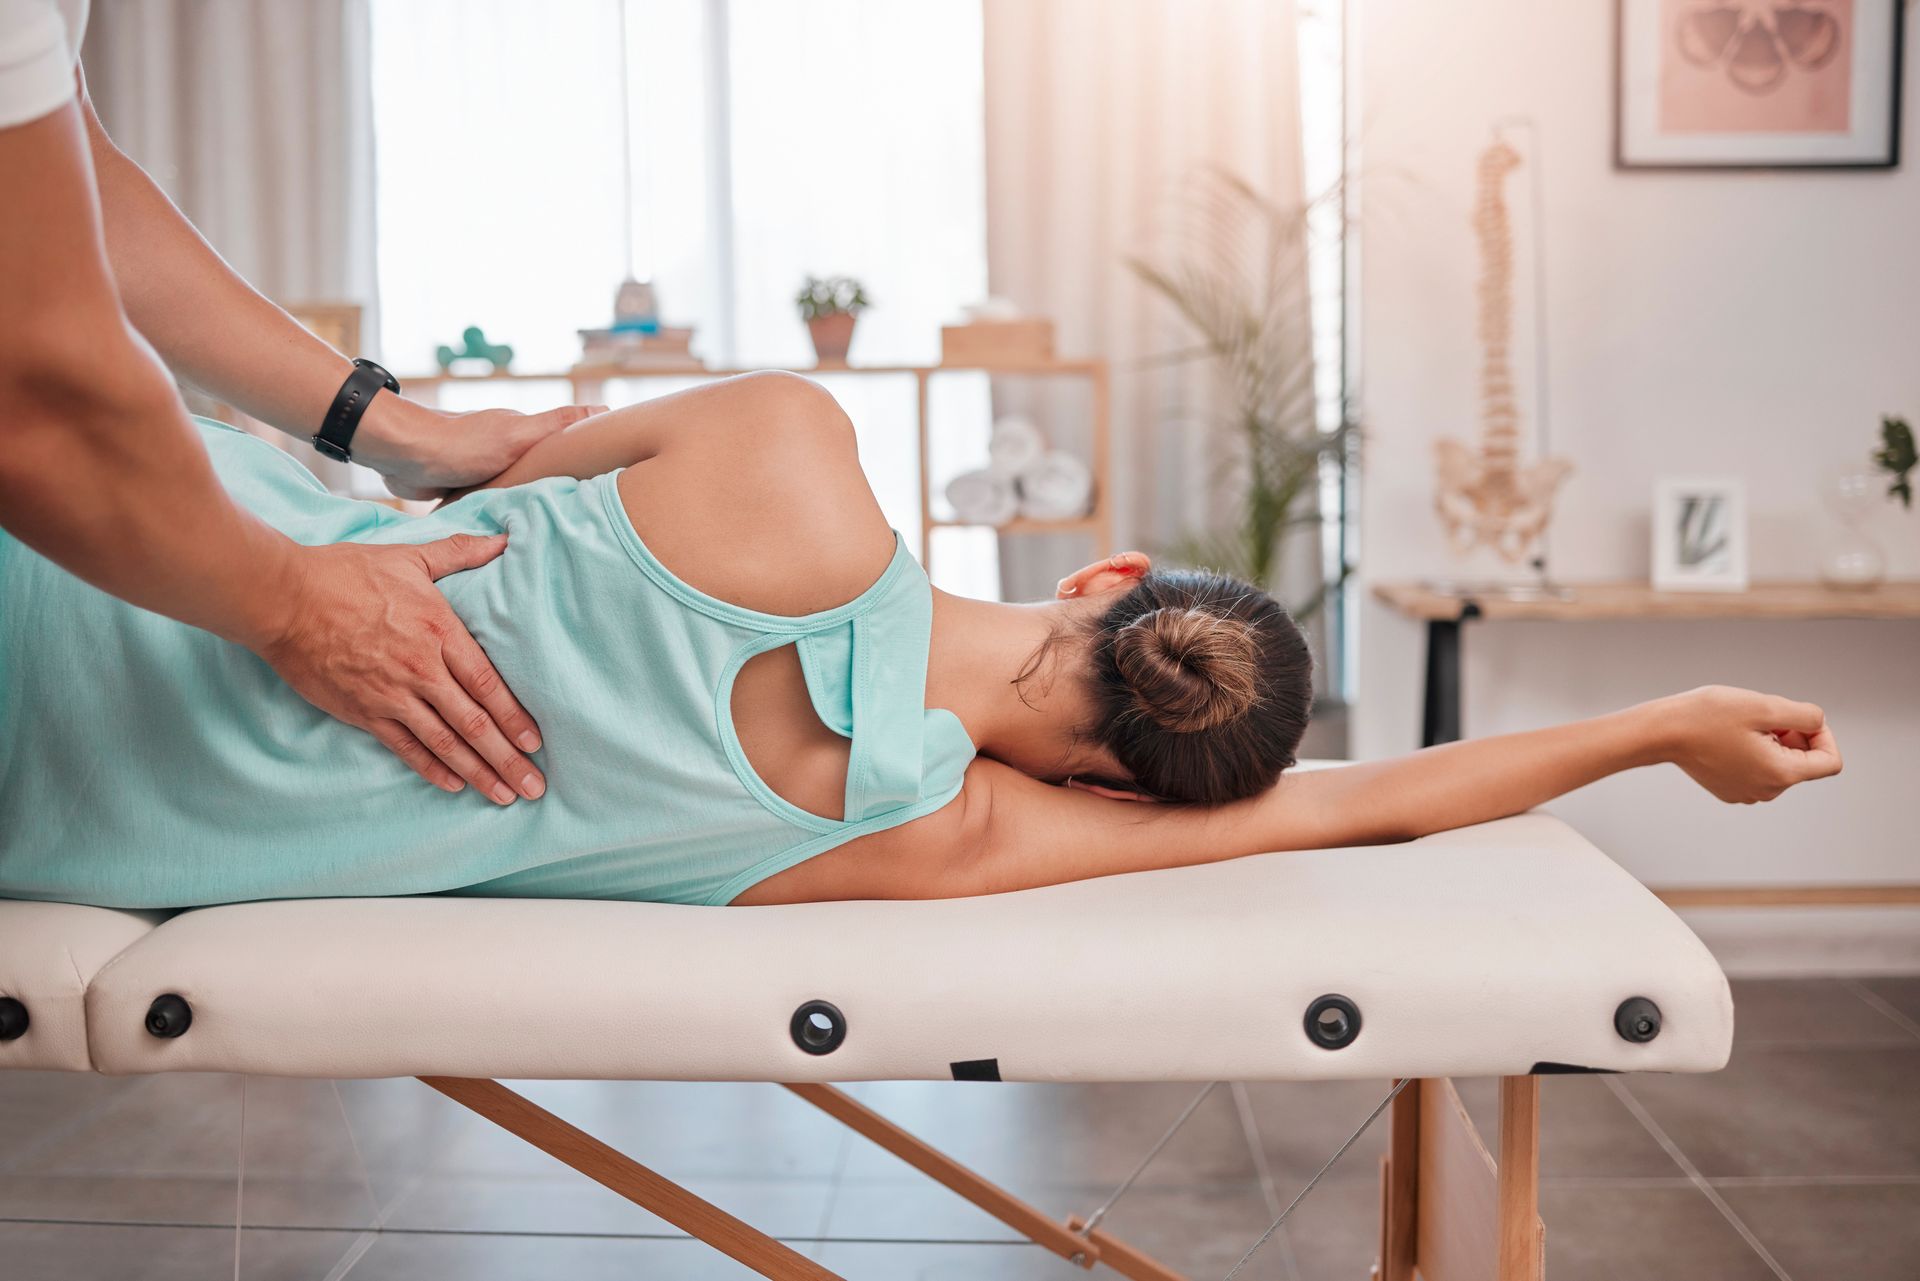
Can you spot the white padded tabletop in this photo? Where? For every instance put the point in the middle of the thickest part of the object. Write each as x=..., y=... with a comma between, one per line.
x=1485, y=951
x=49, y=952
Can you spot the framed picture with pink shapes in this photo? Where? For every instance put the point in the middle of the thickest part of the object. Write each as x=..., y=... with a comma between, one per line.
x=1757, y=84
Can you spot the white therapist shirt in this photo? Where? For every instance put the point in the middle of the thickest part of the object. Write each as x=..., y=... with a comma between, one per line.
x=39, y=44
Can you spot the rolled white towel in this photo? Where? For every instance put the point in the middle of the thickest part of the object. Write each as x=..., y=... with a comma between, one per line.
x=1015, y=445
x=1057, y=487
x=983, y=497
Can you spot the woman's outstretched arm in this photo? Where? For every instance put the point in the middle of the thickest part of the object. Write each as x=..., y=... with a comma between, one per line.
x=1010, y=832
x=1739, y=745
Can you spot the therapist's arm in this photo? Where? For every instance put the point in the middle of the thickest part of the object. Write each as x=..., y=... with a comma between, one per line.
x=101, y=472
x=217, y=332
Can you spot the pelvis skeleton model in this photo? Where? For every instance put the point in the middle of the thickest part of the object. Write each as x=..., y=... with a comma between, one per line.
x=1485, y=496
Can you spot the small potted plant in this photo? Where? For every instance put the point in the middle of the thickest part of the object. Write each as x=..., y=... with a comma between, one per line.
x=1897, y=457
x=830, y=306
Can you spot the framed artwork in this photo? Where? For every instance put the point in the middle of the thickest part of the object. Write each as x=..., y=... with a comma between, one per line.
x=1699, y=535
x=1757, y=84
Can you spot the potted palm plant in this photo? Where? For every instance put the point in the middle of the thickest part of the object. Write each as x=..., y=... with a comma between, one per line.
x=830, y=305
x=1239, y=280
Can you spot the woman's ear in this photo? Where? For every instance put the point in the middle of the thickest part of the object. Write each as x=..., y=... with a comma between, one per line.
x=1117, y=572
x=1112, y=793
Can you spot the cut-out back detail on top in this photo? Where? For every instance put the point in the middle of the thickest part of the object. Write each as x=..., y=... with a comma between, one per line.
x=788, y=745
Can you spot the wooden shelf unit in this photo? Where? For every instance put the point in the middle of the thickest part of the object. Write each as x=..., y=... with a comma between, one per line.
x=1605, y=602
x=588, y=386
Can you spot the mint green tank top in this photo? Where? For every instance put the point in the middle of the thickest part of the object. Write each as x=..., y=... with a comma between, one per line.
x=147, y=764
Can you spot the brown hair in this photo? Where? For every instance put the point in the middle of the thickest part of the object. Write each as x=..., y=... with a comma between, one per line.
x=1203, y=685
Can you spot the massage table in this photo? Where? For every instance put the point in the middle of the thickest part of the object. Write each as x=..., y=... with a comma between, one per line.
x=1513, y=949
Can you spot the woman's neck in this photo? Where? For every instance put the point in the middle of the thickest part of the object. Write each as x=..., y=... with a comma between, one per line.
x=986, y=666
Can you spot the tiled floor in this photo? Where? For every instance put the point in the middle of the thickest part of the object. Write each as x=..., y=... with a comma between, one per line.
x=1800, y=1161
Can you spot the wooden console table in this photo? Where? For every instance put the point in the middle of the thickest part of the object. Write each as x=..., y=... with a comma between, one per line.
x=1444, y=613
x=588, y=383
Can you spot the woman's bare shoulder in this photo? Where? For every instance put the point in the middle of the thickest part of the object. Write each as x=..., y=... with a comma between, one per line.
x=766, y=506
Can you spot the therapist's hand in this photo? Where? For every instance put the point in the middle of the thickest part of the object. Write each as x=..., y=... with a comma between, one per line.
x=362, y=633
x=423, y=453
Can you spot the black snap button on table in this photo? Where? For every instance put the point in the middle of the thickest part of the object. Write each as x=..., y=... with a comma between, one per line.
x=13, y=1018
x=818, y=1027
x=1637, y=1020
x=1333, y=1022
x=169, y=1016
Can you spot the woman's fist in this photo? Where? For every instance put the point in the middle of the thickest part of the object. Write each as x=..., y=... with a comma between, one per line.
x=1746, y=747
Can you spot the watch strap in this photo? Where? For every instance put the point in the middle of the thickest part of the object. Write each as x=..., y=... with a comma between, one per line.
x=335, y=437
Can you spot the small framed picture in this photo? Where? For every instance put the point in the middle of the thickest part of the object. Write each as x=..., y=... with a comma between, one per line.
x=1757, y=84
x=1699, y=535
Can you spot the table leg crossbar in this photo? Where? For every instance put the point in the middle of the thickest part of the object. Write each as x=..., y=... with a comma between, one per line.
x=1081, y=1244
x=741, y=1241
x=621, y=1173
x=1418, y=1155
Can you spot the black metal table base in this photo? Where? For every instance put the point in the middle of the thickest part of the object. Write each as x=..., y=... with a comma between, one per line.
x=1440, y=719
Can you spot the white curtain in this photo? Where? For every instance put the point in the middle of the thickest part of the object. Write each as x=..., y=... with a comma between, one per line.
x=500, y=173
x=255, y=117
x=769, y=141
x=1098, y=113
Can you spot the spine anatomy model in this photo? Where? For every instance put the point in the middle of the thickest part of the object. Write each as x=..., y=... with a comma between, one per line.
x=1485, y=496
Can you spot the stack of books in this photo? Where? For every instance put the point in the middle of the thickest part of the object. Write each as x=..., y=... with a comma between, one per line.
x=632, y=347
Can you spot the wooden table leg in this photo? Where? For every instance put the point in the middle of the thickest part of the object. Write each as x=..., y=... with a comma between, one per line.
x=1449, y=1211
x=1522, y=1241
x=1399, y=1188
x=621, y=1173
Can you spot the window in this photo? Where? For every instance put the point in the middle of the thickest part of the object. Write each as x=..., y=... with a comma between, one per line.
x=1326, y=145
x=764, y=141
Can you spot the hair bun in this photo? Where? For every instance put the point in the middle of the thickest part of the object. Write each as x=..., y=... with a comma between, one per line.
x=1187, y=669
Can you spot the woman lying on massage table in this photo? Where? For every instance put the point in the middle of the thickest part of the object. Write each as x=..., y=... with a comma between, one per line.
x=751, y=695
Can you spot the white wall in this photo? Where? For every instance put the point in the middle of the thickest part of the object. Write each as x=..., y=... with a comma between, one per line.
x=1746, y=324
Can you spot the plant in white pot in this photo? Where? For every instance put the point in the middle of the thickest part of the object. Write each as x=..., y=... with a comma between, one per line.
x=830, y=305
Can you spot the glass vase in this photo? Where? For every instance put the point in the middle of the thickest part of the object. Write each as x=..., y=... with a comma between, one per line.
x=1852, y=560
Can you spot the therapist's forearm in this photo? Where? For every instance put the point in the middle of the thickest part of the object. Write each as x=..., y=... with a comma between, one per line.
x=218, y=333
x=212, y=328
x=103, y=473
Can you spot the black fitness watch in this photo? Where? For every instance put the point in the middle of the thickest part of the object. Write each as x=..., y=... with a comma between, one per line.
x=335, y=437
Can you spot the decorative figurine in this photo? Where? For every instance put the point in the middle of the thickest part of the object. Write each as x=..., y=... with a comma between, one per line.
x=636, y=339
x=636, y=307
x=475, y=347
